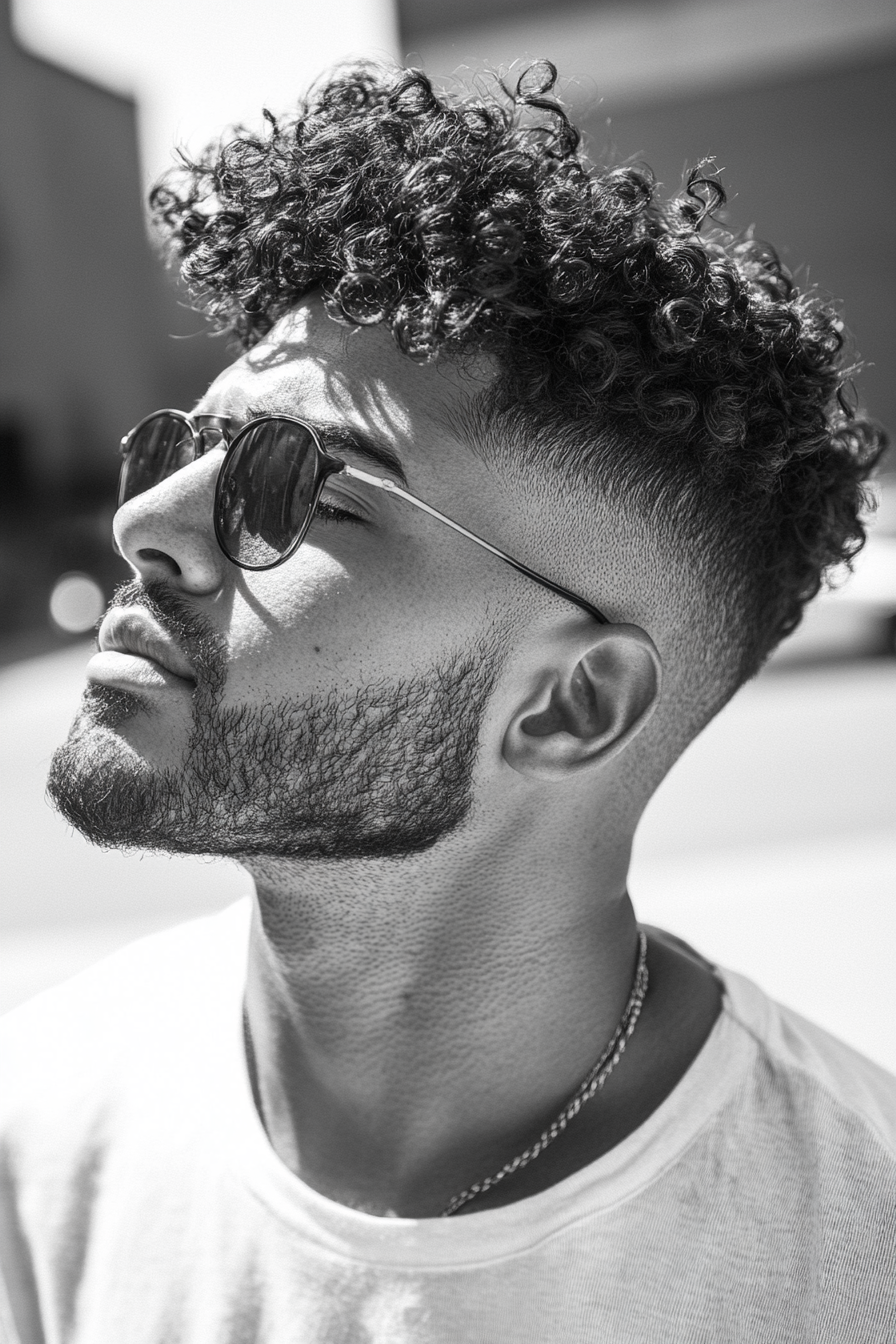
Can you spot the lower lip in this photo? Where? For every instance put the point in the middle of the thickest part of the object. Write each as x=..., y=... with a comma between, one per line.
x=111, y=668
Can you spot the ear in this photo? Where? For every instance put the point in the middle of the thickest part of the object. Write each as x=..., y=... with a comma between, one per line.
x=588, y=706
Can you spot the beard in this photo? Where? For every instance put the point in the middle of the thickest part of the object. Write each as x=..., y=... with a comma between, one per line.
x=385, y=771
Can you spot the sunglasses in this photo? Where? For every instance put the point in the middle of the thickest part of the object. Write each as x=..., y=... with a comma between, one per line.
x=269, y=485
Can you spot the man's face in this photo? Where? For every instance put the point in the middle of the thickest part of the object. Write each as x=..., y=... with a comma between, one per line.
x=335, y=702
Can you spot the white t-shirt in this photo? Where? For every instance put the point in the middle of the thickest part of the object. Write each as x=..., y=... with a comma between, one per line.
x=143, y=1204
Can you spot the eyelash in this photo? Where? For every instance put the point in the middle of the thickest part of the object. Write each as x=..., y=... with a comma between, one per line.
x=332, y=513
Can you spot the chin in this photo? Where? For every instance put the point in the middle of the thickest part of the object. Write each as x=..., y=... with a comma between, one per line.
x=98, y=780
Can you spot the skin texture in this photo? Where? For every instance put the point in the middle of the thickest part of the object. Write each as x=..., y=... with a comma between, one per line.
x=415, y=1021
x=381, y=771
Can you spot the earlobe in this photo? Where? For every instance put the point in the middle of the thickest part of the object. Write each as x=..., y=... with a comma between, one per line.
x=584, y=712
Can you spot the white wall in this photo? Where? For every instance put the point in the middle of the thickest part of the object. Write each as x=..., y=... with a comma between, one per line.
x=195, y=66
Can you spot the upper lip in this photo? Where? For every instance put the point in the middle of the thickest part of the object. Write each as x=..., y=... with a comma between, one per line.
x=131, y=630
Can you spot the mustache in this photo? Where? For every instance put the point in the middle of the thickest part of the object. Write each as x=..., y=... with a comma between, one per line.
x=203, y=645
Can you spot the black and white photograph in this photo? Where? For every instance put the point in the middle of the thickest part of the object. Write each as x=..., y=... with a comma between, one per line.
x=447, y=672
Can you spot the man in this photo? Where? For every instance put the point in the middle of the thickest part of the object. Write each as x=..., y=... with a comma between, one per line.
x=520, y=475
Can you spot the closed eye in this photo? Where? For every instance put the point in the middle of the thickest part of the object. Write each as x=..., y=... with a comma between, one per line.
x=333, y=513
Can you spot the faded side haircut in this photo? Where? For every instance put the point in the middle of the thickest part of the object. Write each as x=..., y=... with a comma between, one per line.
x=645, y=352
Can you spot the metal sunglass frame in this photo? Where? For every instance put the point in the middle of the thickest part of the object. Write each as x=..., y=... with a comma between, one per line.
x=213, y=431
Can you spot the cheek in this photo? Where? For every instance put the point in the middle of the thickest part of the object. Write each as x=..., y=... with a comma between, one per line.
x=320, y=621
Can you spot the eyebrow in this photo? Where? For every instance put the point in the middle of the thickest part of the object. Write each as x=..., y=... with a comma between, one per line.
x=338, y=437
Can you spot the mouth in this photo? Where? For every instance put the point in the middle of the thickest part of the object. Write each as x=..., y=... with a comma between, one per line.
x=133, y=646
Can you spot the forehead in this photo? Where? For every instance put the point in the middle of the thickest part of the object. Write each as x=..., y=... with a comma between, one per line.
x=309, y=365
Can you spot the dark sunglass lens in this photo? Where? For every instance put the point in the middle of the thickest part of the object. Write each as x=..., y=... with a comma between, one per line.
x=156, y=450
x=266, y=492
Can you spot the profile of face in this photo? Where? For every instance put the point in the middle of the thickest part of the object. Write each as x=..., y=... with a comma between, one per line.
x=327, y=708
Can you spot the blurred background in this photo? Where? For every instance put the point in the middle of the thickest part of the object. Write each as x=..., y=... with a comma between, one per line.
x=772, y=845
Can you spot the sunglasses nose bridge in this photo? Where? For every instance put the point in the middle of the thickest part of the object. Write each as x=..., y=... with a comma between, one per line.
x=212, y=431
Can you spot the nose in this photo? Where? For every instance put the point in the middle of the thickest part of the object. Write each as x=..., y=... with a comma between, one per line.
x=168, y=532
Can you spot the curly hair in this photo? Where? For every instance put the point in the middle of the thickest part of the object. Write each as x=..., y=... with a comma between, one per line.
x=641, y=346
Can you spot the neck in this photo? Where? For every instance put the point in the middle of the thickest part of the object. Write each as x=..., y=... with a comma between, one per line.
x=413, y=1022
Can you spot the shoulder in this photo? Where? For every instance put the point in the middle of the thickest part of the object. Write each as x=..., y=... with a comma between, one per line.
x=71, y=1050
x=821, y=1089
x=138, y=976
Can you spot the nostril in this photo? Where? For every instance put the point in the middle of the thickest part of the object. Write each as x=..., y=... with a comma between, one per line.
x=151, y=556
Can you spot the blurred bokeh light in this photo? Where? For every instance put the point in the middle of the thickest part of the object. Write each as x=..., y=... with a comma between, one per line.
x=76, y=603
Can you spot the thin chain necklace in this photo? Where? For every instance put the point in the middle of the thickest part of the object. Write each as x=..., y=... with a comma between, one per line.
x=589, y=1085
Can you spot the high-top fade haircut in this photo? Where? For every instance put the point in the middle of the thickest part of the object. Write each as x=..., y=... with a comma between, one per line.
x=644, y=351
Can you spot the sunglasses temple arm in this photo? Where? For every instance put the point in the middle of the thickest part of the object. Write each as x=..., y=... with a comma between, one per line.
x=383, y=483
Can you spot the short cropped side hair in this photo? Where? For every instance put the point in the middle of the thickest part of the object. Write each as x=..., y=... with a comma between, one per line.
x=643, y=349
